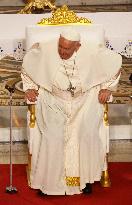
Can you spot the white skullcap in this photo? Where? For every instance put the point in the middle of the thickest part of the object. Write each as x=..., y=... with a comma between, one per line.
x=70, y=34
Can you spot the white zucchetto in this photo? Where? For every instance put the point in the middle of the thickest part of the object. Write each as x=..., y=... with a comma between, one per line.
x=70, y=34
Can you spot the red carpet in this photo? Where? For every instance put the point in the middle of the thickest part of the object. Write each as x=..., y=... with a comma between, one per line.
x=119, y=194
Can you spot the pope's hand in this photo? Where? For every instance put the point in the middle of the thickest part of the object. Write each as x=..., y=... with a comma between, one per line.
x=31, y=95
x=104, y=95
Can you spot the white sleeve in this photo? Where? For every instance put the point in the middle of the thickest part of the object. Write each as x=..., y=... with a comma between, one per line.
x=111, y=85
x=27, y=82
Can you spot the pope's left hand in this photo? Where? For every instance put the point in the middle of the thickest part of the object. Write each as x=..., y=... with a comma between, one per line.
x=104, y=95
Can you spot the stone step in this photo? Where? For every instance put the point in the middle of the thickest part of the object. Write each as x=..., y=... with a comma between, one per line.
x=120, y=151
x=120, y=134
x=120, y=120
x=19, y=153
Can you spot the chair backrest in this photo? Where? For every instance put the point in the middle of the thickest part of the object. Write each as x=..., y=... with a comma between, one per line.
x=90, y=33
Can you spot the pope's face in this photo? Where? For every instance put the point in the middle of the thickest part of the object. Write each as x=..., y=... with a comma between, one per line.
x=66, y=48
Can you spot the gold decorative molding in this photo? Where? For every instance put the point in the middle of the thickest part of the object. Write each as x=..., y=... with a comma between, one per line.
x=31, y=108
x=105, y=179
x=36, y=4
x=62, y=16
x=106, y=114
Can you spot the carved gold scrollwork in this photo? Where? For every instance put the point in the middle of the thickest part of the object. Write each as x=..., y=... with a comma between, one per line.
x=64, y=15
x=36, y=4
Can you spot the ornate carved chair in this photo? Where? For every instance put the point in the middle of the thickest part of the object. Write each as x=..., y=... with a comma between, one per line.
x=50, y=28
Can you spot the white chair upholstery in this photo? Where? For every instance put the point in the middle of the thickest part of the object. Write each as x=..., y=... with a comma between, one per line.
x=89, y=33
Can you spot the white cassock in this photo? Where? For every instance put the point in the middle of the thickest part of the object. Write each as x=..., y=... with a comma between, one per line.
x=68, y=145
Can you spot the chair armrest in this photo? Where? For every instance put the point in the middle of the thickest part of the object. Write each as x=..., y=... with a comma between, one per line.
x=31, y=108
x=106, y=114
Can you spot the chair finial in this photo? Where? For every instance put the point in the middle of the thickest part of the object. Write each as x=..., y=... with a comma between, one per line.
x=64, y=15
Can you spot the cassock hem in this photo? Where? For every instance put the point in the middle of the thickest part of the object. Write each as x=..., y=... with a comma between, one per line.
x=53, y=193
x=47, y=192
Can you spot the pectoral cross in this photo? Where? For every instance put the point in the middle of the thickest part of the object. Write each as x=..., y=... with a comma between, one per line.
x=71, y=89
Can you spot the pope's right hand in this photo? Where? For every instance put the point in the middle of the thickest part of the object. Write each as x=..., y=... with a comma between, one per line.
x=31, y=95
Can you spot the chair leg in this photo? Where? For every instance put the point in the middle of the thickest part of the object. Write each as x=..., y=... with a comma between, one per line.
x=105, y=179
x=28, y=169
x=31, y=108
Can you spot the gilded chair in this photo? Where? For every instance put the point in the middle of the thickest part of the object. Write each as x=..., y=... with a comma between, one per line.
x=50, y=28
